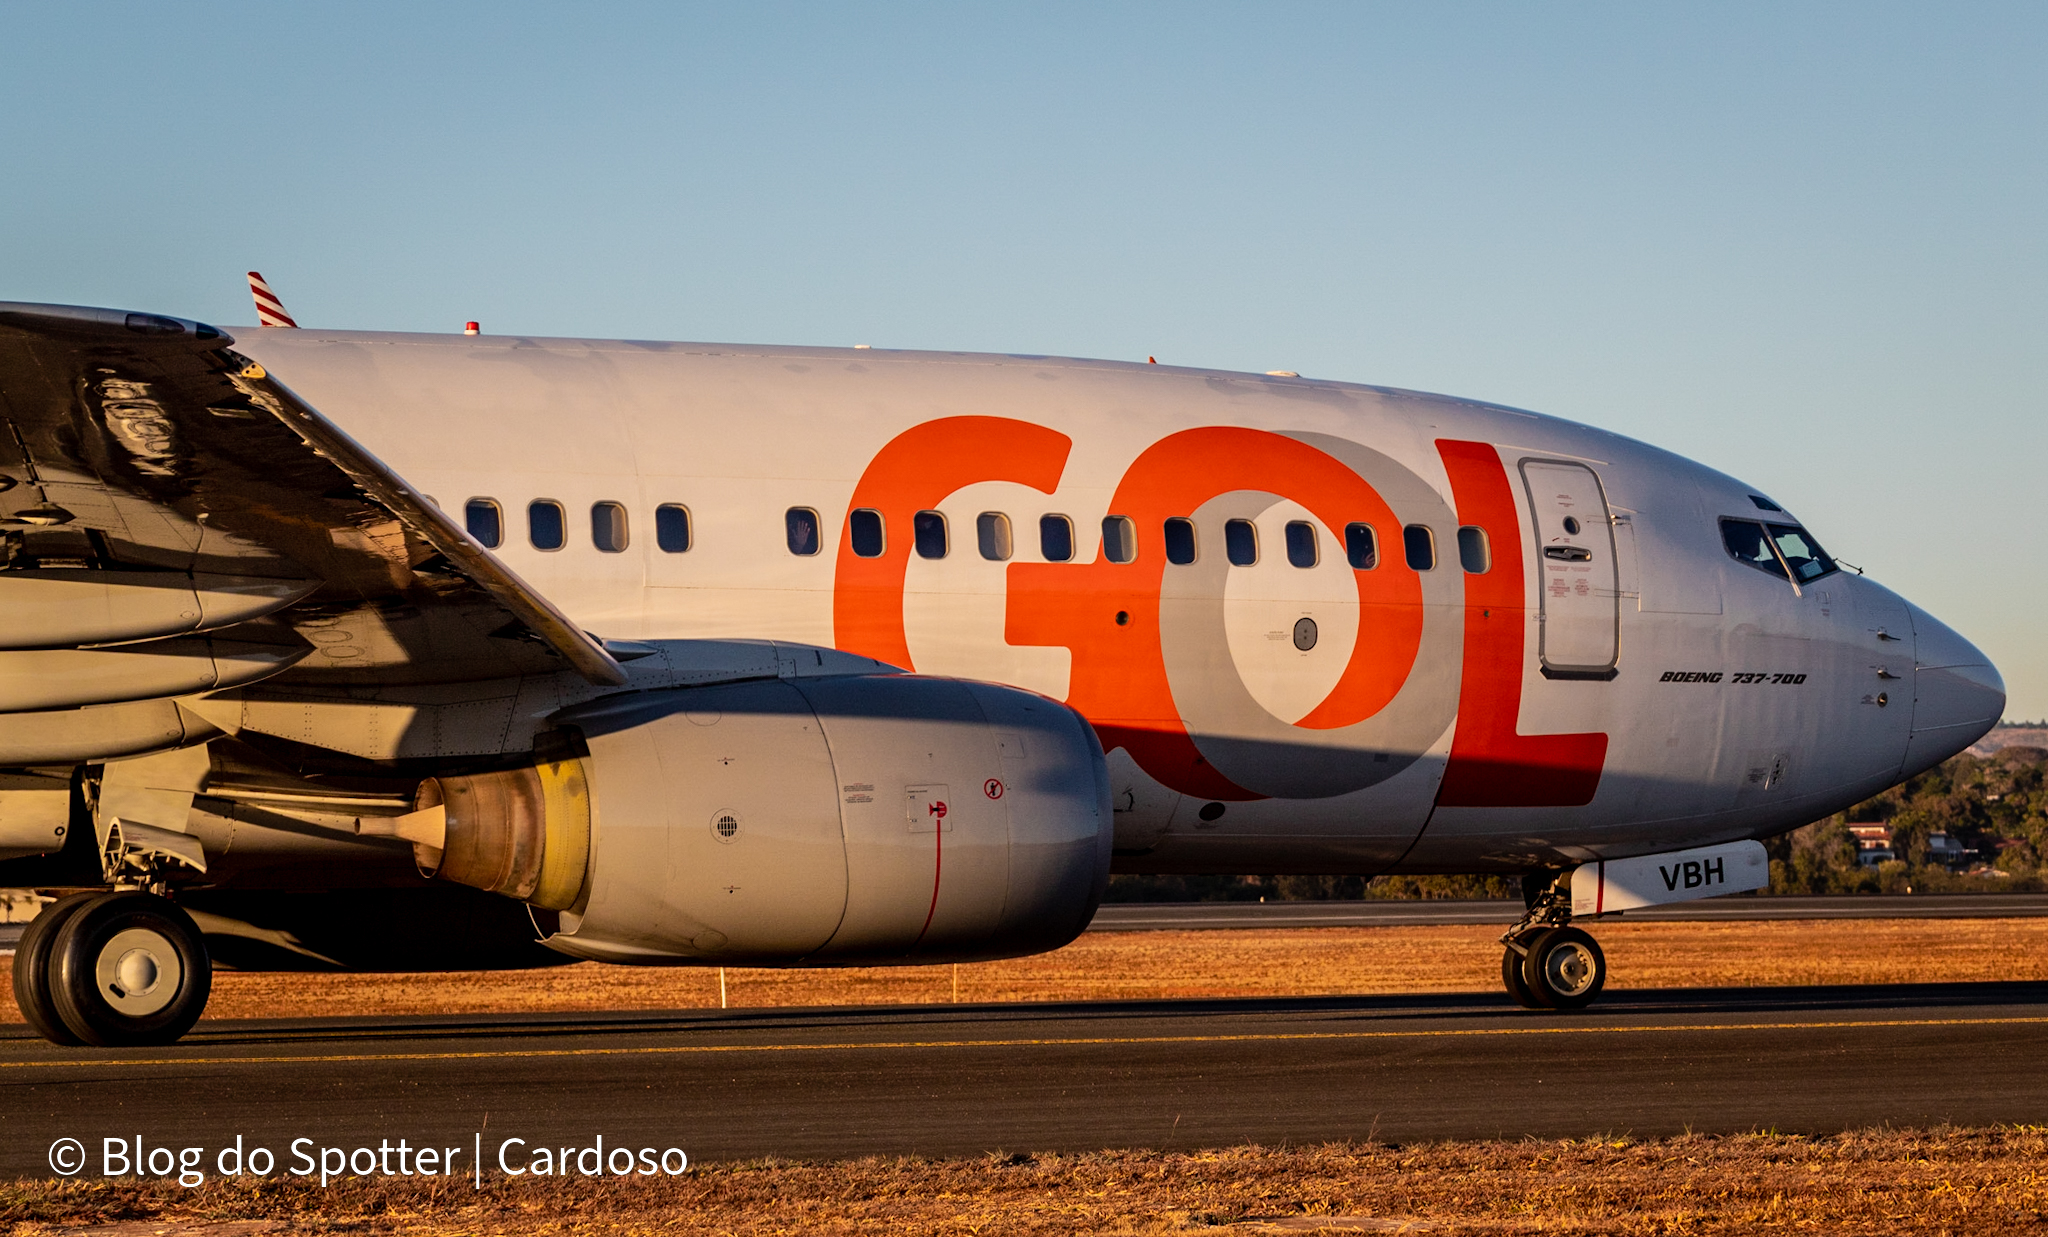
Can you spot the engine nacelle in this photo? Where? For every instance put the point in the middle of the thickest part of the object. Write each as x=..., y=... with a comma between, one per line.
x=822, y=822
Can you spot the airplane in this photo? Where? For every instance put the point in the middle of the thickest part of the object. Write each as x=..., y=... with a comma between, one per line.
x=417, y=651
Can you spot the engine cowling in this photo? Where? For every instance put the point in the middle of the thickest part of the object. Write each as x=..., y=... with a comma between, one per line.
x=830, y=821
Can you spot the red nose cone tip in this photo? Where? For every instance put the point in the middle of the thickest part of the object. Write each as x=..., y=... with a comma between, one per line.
x=469, y=328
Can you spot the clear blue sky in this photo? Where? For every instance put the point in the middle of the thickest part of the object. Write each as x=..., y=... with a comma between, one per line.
x=1802, y=243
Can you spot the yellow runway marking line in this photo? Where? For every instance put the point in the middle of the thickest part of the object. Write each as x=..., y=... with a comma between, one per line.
x=1070, y=1042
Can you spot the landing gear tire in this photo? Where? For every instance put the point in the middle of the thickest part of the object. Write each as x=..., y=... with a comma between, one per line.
x=128, y=969
x=32, y=970
x=1511, y=977
x=1564, y=969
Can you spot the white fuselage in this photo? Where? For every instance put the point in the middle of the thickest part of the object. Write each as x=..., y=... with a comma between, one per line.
x=1622, y=688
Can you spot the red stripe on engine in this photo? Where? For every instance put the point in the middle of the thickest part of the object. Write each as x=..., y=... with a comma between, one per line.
x=938, y=863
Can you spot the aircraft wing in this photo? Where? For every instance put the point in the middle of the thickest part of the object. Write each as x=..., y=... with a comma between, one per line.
x=165, y=502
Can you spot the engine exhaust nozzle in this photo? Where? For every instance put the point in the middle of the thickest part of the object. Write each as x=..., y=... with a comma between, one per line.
x=524, y=833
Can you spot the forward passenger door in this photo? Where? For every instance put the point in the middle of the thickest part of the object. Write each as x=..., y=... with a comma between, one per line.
x=1580, y=603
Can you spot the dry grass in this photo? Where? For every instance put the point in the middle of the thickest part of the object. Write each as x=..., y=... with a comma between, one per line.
x=1889, y=1182
x=1156, y=965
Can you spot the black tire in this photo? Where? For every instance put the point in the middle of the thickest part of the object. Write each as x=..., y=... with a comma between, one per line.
x=129, y=969
x=1564, y=969
x=32, y=970
x=1511, y=978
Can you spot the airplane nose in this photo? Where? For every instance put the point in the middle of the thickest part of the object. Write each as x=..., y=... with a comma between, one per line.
x=1957, y=693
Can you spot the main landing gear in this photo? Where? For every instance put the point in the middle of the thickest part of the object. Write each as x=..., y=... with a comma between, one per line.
x=1546, y=963
x=112, y=970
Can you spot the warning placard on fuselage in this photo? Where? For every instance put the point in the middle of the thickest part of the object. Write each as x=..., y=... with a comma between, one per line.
x=927, y=809
x=1675, y=876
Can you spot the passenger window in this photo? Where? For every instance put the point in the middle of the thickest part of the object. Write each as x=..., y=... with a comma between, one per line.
x=672, y=528
x=992, y=535
x=546, y=524
x=1301, y=543
x=867, y=532
x=1801, y=552
x=1119, y=538
x=1474, y=554
x=1240, y=543
x=486, y=523
x=1747, y=545
x=1055, y=538
x=608, y=527
x=1420, y=545
x=1180, y=541
x=1361, y=547
x=800, y=529
x=928, y=534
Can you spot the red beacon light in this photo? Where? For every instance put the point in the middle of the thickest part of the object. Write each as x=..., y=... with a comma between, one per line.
x=469, y=328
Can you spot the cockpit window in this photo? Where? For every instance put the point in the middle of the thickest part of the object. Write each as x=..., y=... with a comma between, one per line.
x=1776, y=549
x=1747, y=545
x=1801, y=552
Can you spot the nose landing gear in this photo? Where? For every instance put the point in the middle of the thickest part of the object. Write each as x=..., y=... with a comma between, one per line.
x=1546, y=963
x=1555, y=968
x=112, y=970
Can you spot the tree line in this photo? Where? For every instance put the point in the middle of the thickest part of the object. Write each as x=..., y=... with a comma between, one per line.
x=1995, y=806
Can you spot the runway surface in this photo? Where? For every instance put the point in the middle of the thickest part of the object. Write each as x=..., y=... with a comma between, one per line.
x=963, y=1080
x=1161, y=916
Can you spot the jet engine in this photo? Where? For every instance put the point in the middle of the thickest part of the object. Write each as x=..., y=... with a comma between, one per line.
x=826, y=821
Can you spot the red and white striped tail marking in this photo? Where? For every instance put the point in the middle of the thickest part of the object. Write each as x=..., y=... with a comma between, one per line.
x=269, y=310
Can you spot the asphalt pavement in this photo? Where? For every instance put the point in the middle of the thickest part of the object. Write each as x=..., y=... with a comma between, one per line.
x=1154, y=916
x=1160, y=916
x=966, y=1080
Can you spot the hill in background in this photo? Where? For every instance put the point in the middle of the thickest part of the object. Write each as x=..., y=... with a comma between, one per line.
x=2011, y=734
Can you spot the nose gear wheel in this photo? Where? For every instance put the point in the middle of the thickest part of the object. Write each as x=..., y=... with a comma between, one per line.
x=1546, y=963
x=1564, y=969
